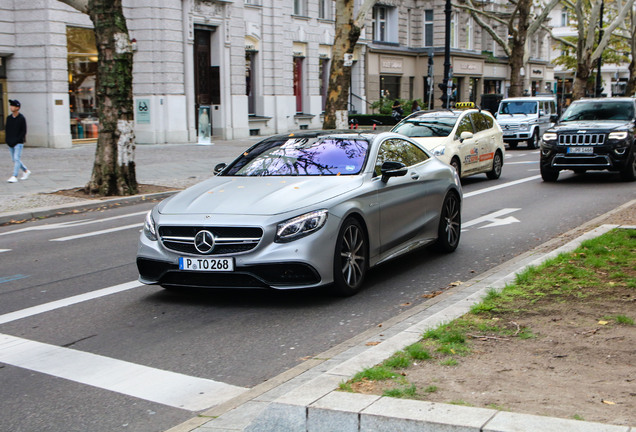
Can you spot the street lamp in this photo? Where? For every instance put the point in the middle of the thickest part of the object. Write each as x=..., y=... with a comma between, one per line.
x=447, y=62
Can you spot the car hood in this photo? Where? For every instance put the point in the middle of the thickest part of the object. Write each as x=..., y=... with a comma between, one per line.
x=514, y=118
x=429, y=143
x=590, y=125
x=257, y=195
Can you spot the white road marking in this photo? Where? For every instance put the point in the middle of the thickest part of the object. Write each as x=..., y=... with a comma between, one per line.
x=5, y=250
x=522, y=163
x=494, y=219
x=71, y=224
x=164, y=387
x=501, y=186
x=25, y=313
x=94, y=233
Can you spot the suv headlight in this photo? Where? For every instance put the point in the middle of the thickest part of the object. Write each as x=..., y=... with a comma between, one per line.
x=300, y=226
x=149, y=227
x=549, y=136
x=617, y=135
x=524, y=126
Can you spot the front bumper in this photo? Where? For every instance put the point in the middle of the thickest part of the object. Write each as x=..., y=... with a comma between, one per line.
x=283, y=275
x=602, y=158
x=303, y=263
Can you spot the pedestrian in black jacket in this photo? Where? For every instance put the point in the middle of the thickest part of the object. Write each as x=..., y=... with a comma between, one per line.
x=15, y=133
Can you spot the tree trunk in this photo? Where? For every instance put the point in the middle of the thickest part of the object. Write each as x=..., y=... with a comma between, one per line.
x=518, y=47
x=346, y=37
x=582, y=75
x=114, y=167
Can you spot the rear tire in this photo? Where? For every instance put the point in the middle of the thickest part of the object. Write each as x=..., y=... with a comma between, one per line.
x=450, y=224
x=497, y=164
x=351, y=258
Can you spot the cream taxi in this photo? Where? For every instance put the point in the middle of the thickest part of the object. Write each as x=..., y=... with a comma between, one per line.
x=467, y=138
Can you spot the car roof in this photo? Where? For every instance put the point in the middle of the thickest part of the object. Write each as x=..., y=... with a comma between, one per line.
x=529, y=99
x=605, y=99
x=440, y=112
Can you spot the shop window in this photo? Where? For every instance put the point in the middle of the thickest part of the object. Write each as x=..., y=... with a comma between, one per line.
x=250, y=70
x=324, y=80
x=82, y=76
x=298, y=83
x=389, y=87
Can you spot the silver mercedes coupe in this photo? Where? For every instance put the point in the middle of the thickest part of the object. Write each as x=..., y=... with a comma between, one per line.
x=303, y=210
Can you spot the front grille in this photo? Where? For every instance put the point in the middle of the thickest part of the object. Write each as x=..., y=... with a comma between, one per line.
x=227, y=240
x=510, y=127
x=589, y=139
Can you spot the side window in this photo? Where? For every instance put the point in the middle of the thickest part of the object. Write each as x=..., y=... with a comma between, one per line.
x=479, y=120
x=397, y=150
x=464, y=126
x=489, y=121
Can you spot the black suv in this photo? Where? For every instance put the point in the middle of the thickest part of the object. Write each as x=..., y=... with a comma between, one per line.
x=592, y=134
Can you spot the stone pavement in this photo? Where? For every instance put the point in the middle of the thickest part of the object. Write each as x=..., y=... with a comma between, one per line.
x=305, y=397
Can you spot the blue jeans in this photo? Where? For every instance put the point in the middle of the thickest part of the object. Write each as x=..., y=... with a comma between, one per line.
x=16, y=153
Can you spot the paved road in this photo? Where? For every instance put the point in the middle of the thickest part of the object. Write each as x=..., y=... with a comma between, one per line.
x=220, y=343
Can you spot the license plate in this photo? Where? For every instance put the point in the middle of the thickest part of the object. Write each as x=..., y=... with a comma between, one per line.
x=206, y=264
x=580, y=150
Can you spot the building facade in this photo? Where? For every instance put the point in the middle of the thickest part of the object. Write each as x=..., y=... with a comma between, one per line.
x=235, y=68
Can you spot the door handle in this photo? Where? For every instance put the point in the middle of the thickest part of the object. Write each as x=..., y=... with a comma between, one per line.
x=415, y=176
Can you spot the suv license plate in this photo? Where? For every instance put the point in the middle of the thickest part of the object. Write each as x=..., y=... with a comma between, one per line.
x=206, y=264
x=577, y=150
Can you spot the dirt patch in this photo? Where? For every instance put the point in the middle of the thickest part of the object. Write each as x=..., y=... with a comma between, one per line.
x=579, y=364
x=143, y=189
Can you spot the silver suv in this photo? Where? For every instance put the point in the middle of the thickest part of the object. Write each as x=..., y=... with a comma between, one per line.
x=525, y=119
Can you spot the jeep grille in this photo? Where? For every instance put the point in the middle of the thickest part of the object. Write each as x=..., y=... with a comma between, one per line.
x=582, y=139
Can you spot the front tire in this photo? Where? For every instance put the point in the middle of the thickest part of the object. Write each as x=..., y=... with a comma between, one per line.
x=629, y=172
x=497, y=164
x=351, y=258
x=457, y=165
x=533, y=143
x=548, y=174
x=450, y=224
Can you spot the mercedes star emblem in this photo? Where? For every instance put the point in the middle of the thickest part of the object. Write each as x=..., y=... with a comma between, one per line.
x=204, y=242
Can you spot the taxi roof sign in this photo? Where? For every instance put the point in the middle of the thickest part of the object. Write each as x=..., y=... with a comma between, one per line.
x=464, y=105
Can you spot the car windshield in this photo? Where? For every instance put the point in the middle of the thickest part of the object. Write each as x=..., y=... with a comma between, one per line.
x=599, y=110
x=302, y=157
x=518, y=107
x=427, y=126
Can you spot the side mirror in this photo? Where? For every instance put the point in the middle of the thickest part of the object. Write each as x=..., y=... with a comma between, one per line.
x=554, y=118
x=393, y=169
x=465, y=135
x=220, y=167
x=541, y=113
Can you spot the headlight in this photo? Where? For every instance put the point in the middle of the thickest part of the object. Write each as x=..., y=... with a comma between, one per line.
x=439, y=150
x=149, y=227
x=524, y=126
x=300, y=226
x=549, y=136
x=617, y=135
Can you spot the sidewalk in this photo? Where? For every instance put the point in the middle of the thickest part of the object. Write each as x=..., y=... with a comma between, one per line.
x=304, y=398
x=176, y=165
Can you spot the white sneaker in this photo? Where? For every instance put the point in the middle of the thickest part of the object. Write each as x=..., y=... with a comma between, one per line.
x=26, y=175
x=13, y=179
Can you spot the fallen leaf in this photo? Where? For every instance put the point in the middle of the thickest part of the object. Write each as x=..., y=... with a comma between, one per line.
x=606, y=402
x=406, y=304
x=372, y=343
x=603, y=322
